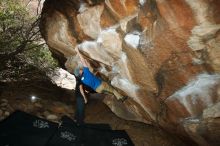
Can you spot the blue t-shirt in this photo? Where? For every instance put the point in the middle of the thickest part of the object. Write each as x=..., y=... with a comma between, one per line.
x=89, y=79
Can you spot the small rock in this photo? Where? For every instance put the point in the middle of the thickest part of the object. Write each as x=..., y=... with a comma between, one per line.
x=3, y=108
x=46, y=113
x=58, y=109
x=4, y=100
x=7, y=113
x=4, y=104
x=40, y=116
x=38, y=105
x=52, y=117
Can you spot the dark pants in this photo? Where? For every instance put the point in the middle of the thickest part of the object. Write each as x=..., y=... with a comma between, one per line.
x=80, y=106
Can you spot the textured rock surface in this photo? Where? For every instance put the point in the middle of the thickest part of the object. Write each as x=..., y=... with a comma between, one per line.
x=163, y=54
x=62, y=78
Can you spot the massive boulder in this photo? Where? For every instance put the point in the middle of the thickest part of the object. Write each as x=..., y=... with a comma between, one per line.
x=163, y=54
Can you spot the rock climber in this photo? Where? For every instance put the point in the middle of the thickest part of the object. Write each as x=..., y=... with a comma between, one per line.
x=81, y=100
x=89, y=79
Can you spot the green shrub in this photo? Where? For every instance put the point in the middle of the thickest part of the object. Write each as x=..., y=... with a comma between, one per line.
x=22, y=49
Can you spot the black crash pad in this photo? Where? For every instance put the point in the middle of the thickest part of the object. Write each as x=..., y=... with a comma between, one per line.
x=71, y=134
x=22, y=129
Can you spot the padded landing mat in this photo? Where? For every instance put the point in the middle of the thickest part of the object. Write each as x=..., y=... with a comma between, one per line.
x=22, y=129
x=98, y=134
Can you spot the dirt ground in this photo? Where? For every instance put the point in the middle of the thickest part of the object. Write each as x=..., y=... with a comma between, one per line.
x=52, y=104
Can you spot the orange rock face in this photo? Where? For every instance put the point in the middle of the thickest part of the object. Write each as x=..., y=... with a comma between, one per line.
x=163, y=54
